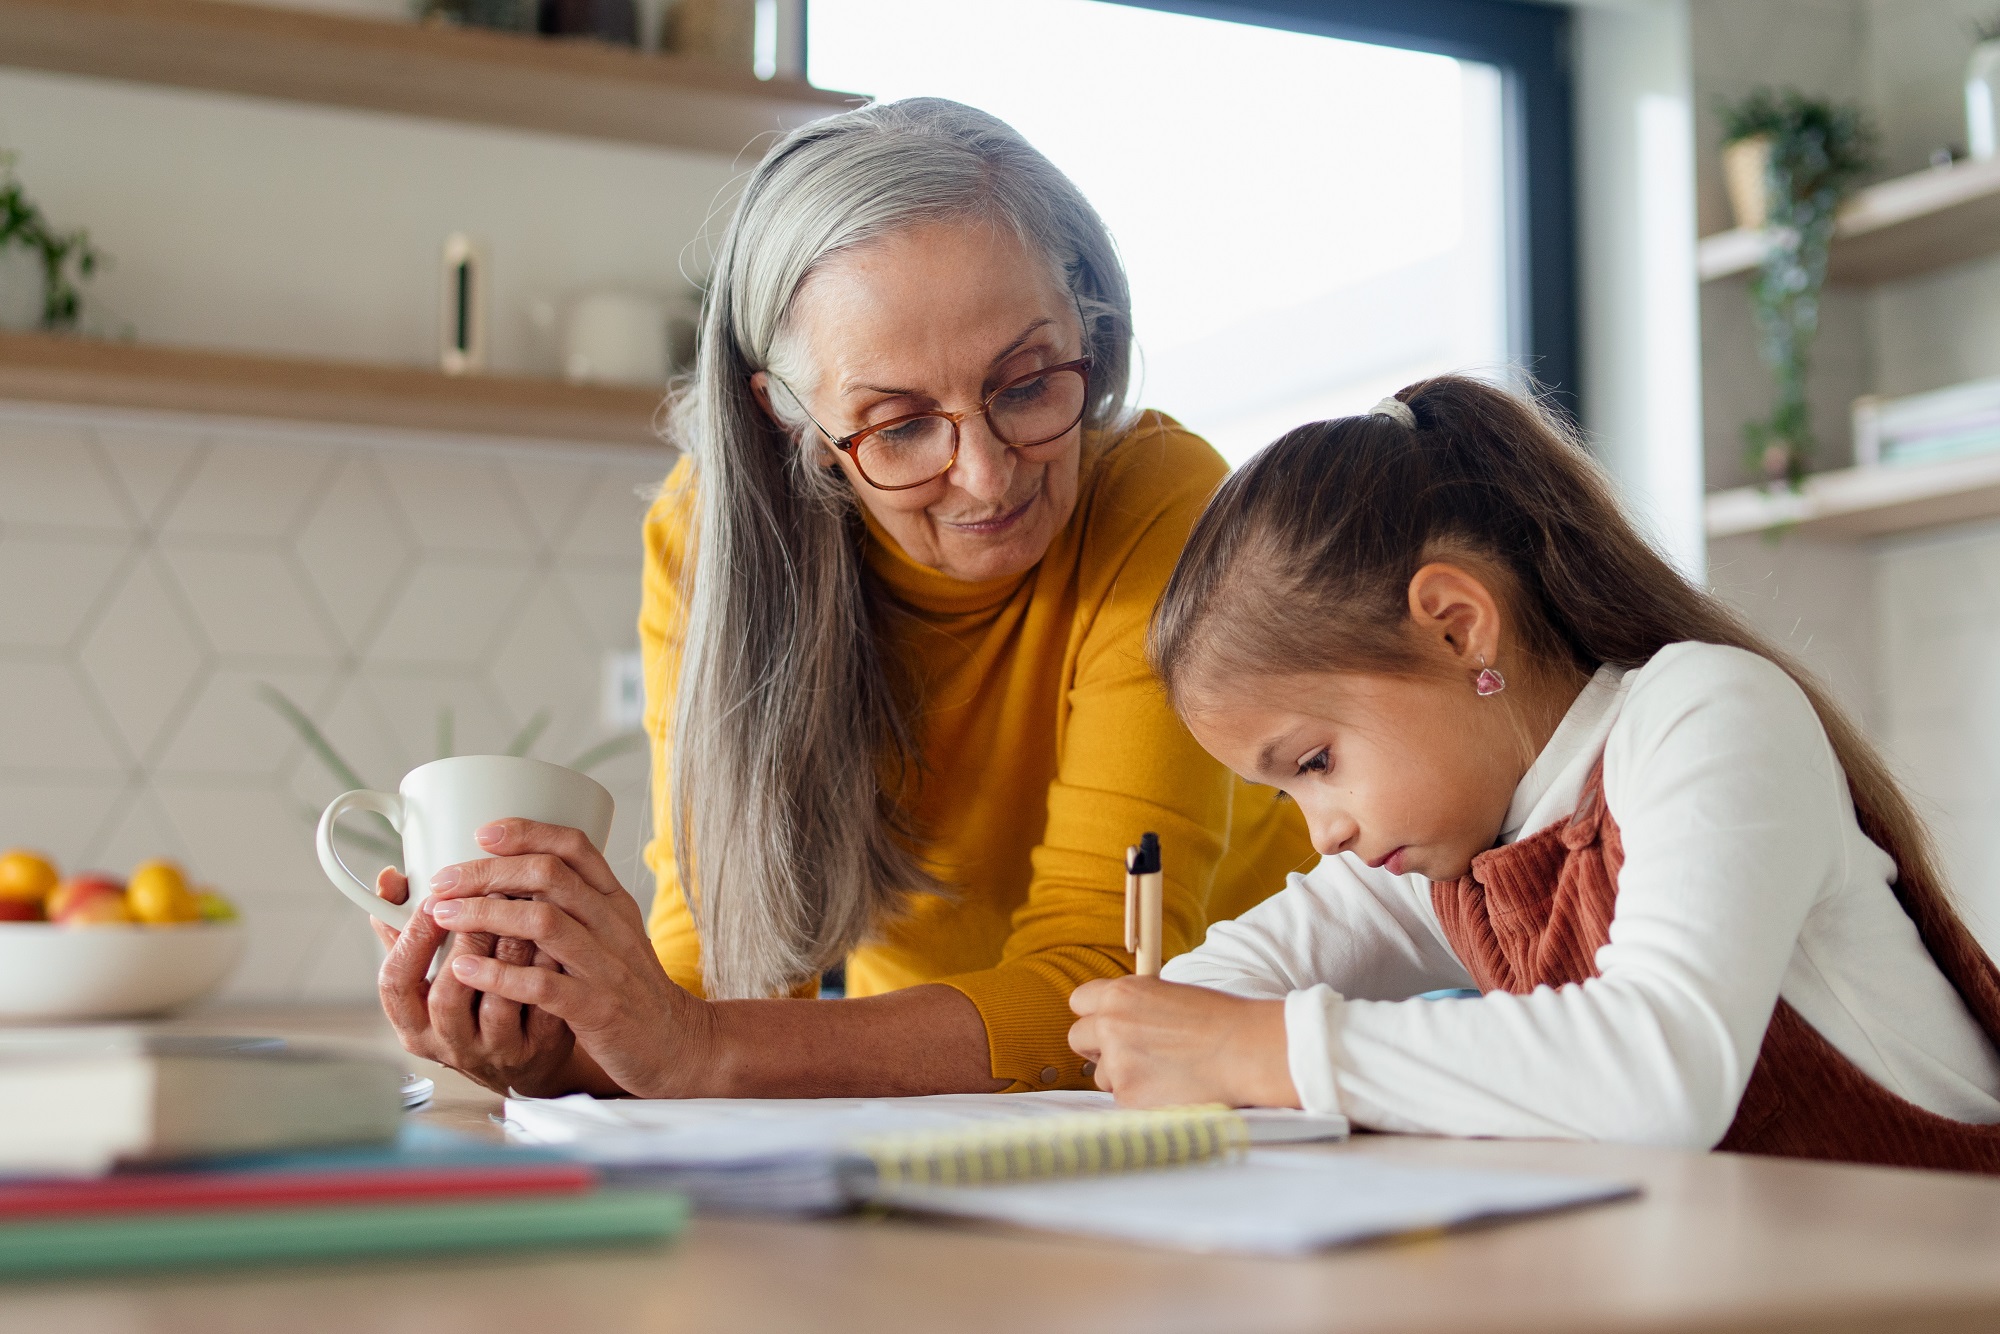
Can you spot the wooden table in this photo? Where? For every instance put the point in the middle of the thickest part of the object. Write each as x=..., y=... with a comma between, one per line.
x=1716, y=1243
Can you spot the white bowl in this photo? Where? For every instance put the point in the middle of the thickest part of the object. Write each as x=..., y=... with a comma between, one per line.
x=48, y=971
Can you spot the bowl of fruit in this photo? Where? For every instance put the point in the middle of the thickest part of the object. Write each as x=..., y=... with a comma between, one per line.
x=90, y=946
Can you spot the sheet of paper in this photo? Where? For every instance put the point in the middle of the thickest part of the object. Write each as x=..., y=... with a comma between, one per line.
x=1267, y=1204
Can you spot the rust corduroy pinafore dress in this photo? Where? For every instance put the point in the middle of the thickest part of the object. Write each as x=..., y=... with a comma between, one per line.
x=1535, y=912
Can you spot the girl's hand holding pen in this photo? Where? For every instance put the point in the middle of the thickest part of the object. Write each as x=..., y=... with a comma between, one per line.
x=548, y=887
x=1164, y=1044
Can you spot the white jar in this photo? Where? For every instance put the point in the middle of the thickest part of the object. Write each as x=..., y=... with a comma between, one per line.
x=1982, y=100
x=617, y=337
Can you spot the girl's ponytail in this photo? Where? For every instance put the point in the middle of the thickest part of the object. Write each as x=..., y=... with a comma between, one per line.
x=1302, y=561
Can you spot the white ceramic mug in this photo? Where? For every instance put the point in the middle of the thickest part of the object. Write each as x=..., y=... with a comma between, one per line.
x=441, y=805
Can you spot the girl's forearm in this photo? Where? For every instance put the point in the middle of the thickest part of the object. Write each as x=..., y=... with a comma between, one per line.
x=927, y=1039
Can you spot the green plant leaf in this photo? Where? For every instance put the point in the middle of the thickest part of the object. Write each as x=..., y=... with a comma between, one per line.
x=342, y=771
x=531, y=732
x=608, y=750
x=309, y=733
x=392, y=848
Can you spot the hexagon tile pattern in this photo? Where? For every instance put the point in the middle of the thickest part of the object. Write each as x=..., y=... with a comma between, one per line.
x=154, y=574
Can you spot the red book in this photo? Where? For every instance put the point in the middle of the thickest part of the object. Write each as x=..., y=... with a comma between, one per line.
x=152, y=1192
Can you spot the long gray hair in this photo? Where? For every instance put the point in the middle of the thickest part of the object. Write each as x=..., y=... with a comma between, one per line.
x=791, y=731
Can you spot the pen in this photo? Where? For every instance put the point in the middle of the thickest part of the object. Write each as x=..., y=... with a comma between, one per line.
x=1143, y=886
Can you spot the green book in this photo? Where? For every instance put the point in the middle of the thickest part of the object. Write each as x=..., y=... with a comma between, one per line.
x=44, y=1247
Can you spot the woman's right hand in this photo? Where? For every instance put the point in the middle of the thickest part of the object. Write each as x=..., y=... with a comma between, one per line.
x=501, y=1044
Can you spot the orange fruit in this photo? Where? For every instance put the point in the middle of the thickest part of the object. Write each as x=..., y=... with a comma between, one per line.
x=158, y=895
x=26, y=875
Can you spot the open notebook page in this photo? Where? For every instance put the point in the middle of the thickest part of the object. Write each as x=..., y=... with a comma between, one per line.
x=1269, y=1203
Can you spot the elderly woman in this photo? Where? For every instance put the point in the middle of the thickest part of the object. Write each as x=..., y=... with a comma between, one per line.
x=895, y=600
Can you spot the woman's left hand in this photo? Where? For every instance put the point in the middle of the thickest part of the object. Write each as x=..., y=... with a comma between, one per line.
x=1163, y=1044
x=554, y=889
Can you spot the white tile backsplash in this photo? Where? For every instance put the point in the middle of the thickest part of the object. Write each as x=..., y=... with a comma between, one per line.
x=49, y=724
x=355, y=550
x=155, y=570
x=244, y=488
x=452, y=611
x=51, y=582
x=144, y=657
x=152, y=464
x=459, y=504
x=251, y=600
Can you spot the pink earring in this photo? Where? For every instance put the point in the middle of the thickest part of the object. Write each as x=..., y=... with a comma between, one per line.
x=1488, y=682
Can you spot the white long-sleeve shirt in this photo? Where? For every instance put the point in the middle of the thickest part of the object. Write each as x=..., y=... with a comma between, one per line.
x=1746, y=878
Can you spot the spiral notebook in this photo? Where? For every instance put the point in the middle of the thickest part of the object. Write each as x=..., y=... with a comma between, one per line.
x=812, y=1155
x=1072, y=1162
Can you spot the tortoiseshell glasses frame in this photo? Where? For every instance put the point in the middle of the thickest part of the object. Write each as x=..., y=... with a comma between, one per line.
x=852, y=445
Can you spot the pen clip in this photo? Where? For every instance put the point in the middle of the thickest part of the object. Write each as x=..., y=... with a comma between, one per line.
x=1131, y=902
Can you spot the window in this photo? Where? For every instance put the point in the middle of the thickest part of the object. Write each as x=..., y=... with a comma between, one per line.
x=1309, y=222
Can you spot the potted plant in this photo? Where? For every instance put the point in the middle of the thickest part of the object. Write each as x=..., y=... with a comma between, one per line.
x=1814, y=153
x=66, y=259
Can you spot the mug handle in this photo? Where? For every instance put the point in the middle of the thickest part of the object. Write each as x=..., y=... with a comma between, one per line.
x=389, y=807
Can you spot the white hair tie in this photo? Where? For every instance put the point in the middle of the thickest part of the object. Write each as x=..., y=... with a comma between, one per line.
x=1396, y=410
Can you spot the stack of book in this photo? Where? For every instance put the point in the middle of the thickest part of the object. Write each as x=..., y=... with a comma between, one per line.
x=122, y=1148
x=1923, y=428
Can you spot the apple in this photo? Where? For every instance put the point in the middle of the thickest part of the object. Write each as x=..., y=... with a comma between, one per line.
x=100, y=910
x=72, y=894
x=20, y=910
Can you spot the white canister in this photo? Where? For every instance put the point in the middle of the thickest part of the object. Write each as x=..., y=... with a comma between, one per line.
x=1982, y=100
x=616, y=337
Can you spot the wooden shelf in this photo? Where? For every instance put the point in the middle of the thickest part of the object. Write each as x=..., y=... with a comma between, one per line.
x=1894, y=229
x=559, y=86
x=38, y=368
x=1866, y=502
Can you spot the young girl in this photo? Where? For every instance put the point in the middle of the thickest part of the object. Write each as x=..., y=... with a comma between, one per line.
x=1540, y=763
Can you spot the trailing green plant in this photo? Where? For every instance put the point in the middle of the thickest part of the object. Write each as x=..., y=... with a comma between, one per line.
x=384, y=841
x=506, y=15
x=1819, y=151
x=67, y=259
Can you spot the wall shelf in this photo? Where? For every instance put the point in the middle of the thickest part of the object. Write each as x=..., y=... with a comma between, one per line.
x=39, y=368
x=572, y=87
x=1866, y=502
x=1894, y=229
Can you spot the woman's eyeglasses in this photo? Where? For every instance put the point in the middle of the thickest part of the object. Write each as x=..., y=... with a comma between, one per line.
x=906, y=452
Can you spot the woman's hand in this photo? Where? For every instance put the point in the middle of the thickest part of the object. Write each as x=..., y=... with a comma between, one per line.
x=1162, y=1044
x=487, y=1038
x=547, y=890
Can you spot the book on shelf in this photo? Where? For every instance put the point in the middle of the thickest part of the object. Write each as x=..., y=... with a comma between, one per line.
x=1949, y=423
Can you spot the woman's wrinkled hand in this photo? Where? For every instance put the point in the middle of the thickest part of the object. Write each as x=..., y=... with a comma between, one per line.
x=1163, y=1044
x=546, y=889
x=488, y=1038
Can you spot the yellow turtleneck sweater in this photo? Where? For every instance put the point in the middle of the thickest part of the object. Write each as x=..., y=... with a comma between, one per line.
x=1048, y=746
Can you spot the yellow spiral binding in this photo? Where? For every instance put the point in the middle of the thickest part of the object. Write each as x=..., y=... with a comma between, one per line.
x=1058, y=1146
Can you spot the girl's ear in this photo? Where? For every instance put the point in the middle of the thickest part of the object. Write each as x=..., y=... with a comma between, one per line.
x=1456, y=614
